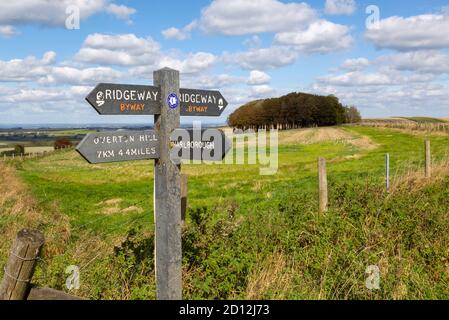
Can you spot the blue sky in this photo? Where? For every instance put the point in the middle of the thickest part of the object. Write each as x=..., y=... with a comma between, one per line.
x=396, y=64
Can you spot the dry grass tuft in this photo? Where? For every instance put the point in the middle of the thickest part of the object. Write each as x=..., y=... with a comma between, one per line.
x=415, y=180
x=112, y=206
x=271, y=278
x=132, y=209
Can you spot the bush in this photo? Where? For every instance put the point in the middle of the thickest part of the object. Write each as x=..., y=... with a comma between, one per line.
x=62, y=144
x=19, y=149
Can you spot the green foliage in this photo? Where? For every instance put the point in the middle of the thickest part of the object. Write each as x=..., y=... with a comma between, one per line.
x=352, y=115
x=299, y=109
x=238, y=220
x=19, y=149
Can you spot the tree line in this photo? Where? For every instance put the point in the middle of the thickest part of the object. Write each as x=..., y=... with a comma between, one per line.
x=294, y=110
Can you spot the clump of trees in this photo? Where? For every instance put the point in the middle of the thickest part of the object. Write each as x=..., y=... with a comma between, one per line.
x=18, y=150
x=294, y=110
x=62, y=144
x=352, y=115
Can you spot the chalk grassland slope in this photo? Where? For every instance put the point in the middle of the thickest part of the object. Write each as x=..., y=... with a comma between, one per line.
x=415, y=125
x=425, y=119
x=247, y=235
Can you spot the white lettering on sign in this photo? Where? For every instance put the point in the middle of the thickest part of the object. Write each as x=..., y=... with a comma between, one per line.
x=105, y=154
x=208, y=145
x=137, y=151
x=198, y=98
x=124, y=139
x=131, y=95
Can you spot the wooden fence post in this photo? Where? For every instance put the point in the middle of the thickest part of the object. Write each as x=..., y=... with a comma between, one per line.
x=428, y=159
x=167, y=194
x=184, y=192
x=387, y=172
x=20, y=266
x=322, y=181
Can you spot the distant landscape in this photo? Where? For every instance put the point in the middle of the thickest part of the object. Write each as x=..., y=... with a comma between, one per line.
x=247, y=236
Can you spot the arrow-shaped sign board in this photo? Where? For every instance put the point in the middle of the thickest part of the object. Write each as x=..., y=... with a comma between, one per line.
x=201, y=145
x=202, y=103
x=125, y=99
x=103, y=147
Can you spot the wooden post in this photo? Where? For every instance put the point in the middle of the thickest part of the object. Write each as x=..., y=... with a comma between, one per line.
x=428, y=159
x=20, y=266
x=387, y=172
x=322, y=181
x=184, y=191
x=167, y=194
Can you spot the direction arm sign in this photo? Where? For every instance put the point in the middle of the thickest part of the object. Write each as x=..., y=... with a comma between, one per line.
x=202, y=103
x=104, y=147
x=200, y=145
x=125, y=99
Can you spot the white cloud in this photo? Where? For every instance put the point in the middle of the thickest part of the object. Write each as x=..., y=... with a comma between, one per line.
x=175, y=33
x=27, y=69
x=355, y=64
x=385, y=76
x=336, y=7
x=239, y=17
x=429, y=62
x=412, y=99
x=191, y=64
x=262, y=91
x=262, y=58
x=320, y=37
x=257, y=77
x=179, y=34
x=124, y=50
x=120, y=11
x=8, y=31
x=44, y=71
x=53, y=13
x=412, y=33
x=142, y=54
x=211, y=81
x=357, y=78
x=71, y=75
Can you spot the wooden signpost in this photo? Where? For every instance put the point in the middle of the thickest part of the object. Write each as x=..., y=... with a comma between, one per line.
x=167, y=144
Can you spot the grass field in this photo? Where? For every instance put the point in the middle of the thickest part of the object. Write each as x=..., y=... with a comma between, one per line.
x=247, y=235
x=31, y=149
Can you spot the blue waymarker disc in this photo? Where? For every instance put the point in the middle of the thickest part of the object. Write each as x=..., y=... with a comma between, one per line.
x=173, y=100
